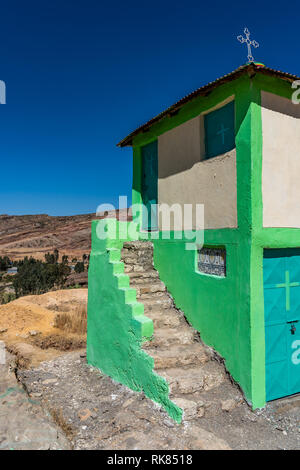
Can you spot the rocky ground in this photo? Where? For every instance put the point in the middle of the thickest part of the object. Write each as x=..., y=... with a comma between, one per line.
x=98, y=413
x=24, y=423
x=50, y=399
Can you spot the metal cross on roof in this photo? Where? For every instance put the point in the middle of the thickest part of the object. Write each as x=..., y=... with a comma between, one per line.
x=249, y=43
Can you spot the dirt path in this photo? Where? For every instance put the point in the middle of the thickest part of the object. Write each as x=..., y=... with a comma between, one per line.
x=24, y=425
x=98, y=413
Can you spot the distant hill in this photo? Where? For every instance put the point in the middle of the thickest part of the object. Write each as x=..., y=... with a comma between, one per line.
x=35, y=235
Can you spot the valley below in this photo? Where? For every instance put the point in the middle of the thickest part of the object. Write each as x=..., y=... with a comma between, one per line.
x=35, y=235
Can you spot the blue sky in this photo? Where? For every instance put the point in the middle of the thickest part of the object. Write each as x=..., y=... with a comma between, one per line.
x=81, y=75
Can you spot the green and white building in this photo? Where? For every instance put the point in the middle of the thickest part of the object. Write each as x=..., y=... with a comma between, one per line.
x=233, y=146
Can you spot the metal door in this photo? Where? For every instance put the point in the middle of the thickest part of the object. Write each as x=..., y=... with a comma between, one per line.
x=281, y=270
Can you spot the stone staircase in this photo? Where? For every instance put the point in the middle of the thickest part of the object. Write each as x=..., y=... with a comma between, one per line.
x=188, y=365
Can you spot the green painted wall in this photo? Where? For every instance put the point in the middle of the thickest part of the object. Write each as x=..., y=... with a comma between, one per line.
x=117, y=325
x=263, y=237
x=219, y=308
x=211, y=304
x=229, y=313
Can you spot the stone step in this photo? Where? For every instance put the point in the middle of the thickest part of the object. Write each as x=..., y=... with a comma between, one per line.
x=151, y=288
x=165, y=337
x=194, y=379
x=154, y=303
x=144, y=277
x=138, y=246
x=137, y=258
x=220, y=399
x=191, y=408
x=147, y=254
x=163, y=317
x=157, y=295
x=137, y=268
x=178, y=356
x=142, y=257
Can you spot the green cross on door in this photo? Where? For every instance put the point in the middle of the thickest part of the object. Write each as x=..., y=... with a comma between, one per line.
x=282, y=321
x=287, y=285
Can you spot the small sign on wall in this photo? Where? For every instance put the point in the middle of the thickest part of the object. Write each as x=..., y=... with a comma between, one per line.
x=212, y=261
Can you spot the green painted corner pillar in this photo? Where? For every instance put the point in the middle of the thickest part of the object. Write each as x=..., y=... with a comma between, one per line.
x=249, y=207
x=257, y=324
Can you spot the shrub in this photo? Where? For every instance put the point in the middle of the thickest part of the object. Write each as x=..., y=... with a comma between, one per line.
x=72, y=322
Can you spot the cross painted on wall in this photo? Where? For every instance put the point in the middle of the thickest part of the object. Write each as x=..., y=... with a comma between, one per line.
x=219, y=128
x=222, y=132
x=249, y=43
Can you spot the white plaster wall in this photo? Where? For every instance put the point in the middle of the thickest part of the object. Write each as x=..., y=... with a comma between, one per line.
x=281, y=161
x=184, y=178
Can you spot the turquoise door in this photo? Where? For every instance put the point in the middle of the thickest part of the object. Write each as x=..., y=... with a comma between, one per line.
x=149, y=186
x=281, y=271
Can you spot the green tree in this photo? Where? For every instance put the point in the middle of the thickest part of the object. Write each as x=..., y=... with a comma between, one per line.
x=5, y=263
x=79, y=267
x=36, y=277
x=49, y=258
x=56, y=255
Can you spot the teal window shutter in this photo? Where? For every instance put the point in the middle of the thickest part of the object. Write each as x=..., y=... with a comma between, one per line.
x=149, y=185
x=219, y=131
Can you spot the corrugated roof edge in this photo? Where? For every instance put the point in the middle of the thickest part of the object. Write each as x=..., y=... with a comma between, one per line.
x=251, y=69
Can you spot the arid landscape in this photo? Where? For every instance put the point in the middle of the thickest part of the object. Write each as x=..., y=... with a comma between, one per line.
x=35, y=235
x=39, y=327
x=50, y=398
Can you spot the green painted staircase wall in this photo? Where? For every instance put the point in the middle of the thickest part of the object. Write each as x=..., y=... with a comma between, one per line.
x=117, y=325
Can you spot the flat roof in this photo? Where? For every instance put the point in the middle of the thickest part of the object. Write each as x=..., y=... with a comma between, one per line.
x=250, y=69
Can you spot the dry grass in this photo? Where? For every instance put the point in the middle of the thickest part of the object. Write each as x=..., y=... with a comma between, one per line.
x=74, y=321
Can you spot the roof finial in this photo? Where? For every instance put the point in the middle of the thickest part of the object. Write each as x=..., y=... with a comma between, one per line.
x=249, y=43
